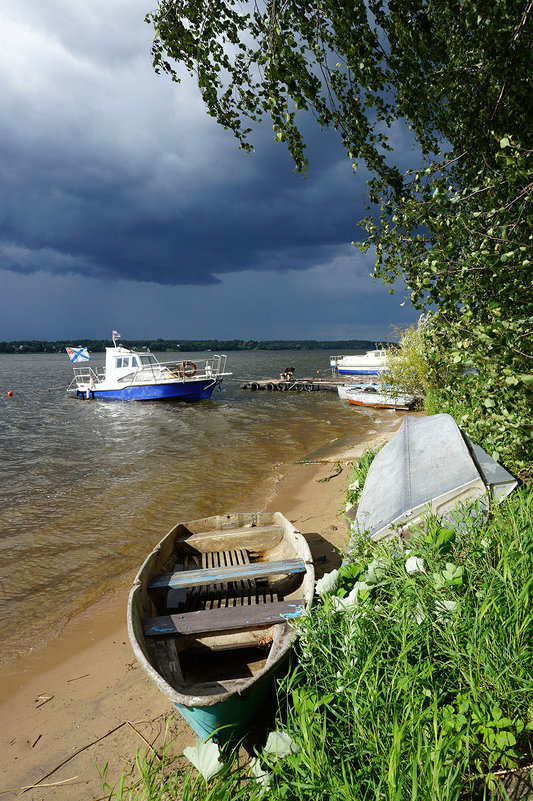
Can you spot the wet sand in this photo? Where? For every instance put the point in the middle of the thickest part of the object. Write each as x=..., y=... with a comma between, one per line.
x=82, y=702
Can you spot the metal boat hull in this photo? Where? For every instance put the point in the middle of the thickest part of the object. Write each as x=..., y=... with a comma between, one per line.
x=181, y=390
x=230, y=719
x=428, y=467
x=359, y=371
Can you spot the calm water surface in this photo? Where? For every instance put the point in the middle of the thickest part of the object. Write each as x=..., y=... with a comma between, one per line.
x=87, y=488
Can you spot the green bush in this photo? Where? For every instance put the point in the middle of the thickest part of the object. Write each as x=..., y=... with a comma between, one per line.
x=407, y=364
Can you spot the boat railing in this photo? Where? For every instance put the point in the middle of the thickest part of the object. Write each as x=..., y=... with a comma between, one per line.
x=212, y=367
x=86, y=375
x=186, y=370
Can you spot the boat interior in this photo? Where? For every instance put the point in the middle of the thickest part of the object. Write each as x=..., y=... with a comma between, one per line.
x=218, y=600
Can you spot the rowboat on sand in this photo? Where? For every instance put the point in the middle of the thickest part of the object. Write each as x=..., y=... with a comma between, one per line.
x=209, y=615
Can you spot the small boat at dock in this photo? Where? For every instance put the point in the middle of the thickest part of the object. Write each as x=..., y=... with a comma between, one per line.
x=370, y=363
x=368, y=395
x=209, y=615
x=132, y=375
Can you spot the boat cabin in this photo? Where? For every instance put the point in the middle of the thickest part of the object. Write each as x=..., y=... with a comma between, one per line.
x=120, y=362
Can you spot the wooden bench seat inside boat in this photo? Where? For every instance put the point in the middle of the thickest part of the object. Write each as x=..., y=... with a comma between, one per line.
x=228, y=618
x=239, y=537
x=183, y=579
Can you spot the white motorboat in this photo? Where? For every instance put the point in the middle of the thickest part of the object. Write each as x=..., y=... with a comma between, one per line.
x=370, y=363
x=131, y=375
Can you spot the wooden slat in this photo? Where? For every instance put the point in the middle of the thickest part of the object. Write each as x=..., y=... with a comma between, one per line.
x=175, y=598
x=225, y=619
x=255, y=531
x=195, y=578
x=163, y=653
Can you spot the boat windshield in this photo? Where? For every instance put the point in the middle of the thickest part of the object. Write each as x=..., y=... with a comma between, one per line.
x=148, y=358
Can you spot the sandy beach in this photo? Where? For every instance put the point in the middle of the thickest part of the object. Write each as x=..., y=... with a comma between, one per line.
x=81, y=703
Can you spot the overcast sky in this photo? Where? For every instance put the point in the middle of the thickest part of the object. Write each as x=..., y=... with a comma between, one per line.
x=123, y=205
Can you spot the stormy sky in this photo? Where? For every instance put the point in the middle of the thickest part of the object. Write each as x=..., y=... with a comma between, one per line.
x=124, y=206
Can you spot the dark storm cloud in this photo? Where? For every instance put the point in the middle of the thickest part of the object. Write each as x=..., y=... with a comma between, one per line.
x=123, y=205
x=98, y=179
x=68, y=208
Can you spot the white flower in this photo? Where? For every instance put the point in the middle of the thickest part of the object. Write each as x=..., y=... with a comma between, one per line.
x=414, y=565
x=262, y=776
x=375, y=570
x=204, y=757
x=339, y=688
x=327, y=583
x=280, y=744
x=444, y=609
x=344, y=604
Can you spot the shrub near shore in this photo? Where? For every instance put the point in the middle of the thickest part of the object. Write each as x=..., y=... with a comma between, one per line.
x=413, y=680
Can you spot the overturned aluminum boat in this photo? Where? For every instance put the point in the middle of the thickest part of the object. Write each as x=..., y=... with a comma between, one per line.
x=429, y=466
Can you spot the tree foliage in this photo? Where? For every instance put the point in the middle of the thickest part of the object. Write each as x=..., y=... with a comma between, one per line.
x=185, y=345
x=407, y=365
x=456, y=227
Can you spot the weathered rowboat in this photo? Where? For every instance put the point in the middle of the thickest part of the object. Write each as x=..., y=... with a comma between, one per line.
x=209, y=615
x=429, y=466
x=377, y=400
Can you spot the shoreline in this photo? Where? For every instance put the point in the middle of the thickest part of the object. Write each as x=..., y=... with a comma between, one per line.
x=82, y=699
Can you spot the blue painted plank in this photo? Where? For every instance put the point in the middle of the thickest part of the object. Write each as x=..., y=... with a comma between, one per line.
x=228, y=618
x=196, y=578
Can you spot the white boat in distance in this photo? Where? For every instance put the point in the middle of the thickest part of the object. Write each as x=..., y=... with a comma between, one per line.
x=370, y=363
x=130, y=375
x=368, y=395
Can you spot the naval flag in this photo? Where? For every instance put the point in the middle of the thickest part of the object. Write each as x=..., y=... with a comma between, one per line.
x=116, y=335
x=78, y=354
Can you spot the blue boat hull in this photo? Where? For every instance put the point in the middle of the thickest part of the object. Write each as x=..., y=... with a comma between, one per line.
x=182, y=390
x=358, y=371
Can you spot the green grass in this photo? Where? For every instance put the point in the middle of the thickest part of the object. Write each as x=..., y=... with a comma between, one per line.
x=423, y=689
x=359, y=473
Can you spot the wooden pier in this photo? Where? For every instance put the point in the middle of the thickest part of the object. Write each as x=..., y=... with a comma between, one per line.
x=292, y=384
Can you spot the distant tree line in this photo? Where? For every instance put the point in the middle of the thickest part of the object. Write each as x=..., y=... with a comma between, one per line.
x=173, y=345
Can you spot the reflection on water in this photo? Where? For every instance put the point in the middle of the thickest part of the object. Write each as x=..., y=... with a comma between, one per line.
x=87, y=488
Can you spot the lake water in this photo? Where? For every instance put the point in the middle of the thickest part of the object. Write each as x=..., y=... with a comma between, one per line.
x=87, y=488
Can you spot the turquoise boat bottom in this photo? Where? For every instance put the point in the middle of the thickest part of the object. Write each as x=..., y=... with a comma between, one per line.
x=230, y=720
